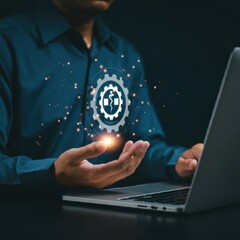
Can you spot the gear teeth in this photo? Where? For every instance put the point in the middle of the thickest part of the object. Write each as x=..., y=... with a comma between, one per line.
x=106, y=77
x=91, y=104
x=100, y=82
x=114, y=76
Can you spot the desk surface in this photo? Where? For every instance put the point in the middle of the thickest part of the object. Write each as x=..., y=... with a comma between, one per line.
x=44, y=216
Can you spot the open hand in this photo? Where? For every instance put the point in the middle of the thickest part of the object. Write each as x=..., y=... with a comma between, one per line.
x=74, y=170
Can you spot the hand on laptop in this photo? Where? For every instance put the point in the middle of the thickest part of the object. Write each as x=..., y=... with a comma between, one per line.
x=73, y=169
x=187, y=163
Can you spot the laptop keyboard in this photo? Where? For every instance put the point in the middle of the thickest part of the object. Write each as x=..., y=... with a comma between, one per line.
x=176, y=197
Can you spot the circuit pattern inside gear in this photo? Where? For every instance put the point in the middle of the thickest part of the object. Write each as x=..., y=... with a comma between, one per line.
x=101, y=102
x=113, y=85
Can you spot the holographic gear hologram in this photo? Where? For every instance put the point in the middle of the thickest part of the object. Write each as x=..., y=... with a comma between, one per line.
x=116, y=88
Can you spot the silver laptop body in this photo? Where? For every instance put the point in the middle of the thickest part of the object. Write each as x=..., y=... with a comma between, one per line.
x=216, y=181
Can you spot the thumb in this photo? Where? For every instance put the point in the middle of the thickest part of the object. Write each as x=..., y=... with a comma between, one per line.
x=89, y=151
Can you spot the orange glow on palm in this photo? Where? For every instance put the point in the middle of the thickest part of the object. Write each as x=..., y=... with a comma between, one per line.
x=108, y=140
x=112, y=141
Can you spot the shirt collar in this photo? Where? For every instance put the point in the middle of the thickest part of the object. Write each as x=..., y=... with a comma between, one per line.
x=102, y=33
x=51, y=24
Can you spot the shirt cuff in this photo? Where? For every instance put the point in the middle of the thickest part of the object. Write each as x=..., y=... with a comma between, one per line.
x=37, y=173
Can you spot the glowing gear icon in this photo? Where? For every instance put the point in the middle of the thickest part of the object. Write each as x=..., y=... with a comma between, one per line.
x=113, y=103
x=117, y=101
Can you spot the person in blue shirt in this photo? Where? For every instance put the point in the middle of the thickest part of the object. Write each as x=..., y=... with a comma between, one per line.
x=52, y=59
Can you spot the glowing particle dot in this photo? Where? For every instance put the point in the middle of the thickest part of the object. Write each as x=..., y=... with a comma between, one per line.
x=142, y=102
x=133, y=67
x=78, y=97
x=91, y=124
x=118, y=135
x=101, y=66
x=138, y=60
x=42, y=124
x=59, y=120
x=128, y=75
x=105, y=70
x=85, y=129
x=134, y=134
x=65, y=118
x=75, y=85
x=68, y=63
x=155, y=87
x=164, y=105
x=136, y=120
x=61, y=133
x=122, y=56
x=46, y=78
x=140, y=85
x=134, y=94
x=78, y=129
x=95, y=60
x=150, y=130
x=87, y=107
x=67, y=113
x=92, y=136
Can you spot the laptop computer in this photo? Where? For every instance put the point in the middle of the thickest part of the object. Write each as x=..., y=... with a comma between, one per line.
x=216, y=181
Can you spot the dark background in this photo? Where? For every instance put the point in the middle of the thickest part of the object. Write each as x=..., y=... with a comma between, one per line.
x=185, y=46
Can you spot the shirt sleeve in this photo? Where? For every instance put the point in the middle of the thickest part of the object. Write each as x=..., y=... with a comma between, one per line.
x=15, y=170
x=160, y=160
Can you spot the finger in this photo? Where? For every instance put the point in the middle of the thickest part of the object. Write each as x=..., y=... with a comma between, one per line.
x=127, y=172
x=127, y=146
x=186, y=167
x=194, y=152
x=76, y=155
x=197, y=150
x=192, y=164
x=124, y=166
x=137, y=148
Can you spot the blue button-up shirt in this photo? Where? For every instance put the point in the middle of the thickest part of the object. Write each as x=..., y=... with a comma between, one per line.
x=47, y=75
